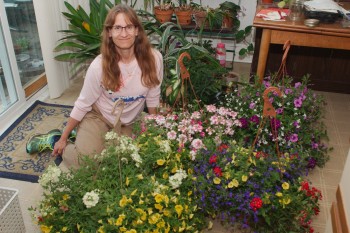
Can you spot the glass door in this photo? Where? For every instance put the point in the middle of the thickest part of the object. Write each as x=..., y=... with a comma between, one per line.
x=26, y=44
x=8, y=93
x=22, y=72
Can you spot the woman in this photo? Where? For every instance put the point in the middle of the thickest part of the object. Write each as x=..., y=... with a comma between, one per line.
x=127, y=69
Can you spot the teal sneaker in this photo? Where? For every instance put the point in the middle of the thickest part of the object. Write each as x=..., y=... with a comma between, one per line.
x=72, y=136
x=42, y=142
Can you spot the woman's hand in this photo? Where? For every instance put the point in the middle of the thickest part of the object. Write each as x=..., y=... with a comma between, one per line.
x=59, y=147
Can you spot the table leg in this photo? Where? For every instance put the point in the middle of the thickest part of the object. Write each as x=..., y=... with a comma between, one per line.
x=263, y=52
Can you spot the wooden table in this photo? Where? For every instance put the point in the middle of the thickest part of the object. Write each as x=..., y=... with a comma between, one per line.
x=323, y=36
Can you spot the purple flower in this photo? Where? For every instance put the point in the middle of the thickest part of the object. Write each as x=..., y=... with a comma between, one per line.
x=266, y=84
x=294, y=137
x=244, y=122
x=276, y=124
x=257, y=94
x=255, y=119
x=298, y=84
x=296, y=124
x=288, y=91
x=311, y=163
x=271, y=100
x=252, y=105
x=279, y=110
x=314, y=145
x=298, y=102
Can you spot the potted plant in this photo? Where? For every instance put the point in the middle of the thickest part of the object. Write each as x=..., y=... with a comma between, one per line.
x=183, y=12
x=164, y=11
x=230, y=15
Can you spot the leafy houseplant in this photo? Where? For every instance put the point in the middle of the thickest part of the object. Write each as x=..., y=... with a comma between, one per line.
x=82, y=39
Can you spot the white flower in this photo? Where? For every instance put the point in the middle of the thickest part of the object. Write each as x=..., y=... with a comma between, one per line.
x=90, y=199
x=176, y=179
x=111, y=135
x=165, y=146
x=52, y=175
x=137, y=158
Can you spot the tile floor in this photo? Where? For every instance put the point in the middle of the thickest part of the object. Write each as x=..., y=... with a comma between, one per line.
x=326, y=179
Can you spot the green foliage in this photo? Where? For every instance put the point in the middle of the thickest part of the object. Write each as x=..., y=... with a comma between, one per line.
x=82, y=39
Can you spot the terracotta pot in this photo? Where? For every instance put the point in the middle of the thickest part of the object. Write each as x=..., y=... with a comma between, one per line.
x=163, y=15
x=227, y=23
x=184, y=17
x=266, y=1
x=200, y=19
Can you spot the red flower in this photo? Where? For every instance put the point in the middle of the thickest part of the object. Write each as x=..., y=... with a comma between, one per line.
x=40, y=219
x=222, y=147
x=213, y=159
x=304, y=185
x=217, y=171
x=256, y=203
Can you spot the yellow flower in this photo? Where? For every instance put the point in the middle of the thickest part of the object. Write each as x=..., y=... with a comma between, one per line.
x=166, y=212
x=45, y=229
x=65, y=197
x=131, y=231
x=286, y=201
x=178, y=157
x=285, y=185
x=244, y=178
x=110, y=221
x=123, y=201
x=160, y=162
x=179, y=209
x=86, y=26
x=142, y=213
x=210, y=225
x=64, y=229
x=161, y=224
x=122, y=229
x=120, y=219
x=189, y=193
x=165, y=175
x=140, y=176
x=158, y=198
x=174, y=169
x=133, y=192
x=279, y=194
x=153, y=219
x=127, y=182
x=233, y=183
x=101, y=229
x=183, y=227
x=158, y=206
x=216, y=180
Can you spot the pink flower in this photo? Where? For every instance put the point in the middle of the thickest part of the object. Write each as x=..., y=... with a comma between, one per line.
x=211, y=108
x=298, y=102
x=171, y=135
x=293, y=138
x=197, y=144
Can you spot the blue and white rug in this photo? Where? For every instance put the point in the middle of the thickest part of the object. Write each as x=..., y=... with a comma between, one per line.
x=40, y=118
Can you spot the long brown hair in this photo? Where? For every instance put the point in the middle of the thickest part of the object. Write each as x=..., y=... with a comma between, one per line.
x=111, y=79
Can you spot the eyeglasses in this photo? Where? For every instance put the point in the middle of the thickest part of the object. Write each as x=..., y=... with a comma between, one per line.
x=130, y=28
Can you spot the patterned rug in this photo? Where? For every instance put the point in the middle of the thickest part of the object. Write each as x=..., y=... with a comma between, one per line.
x=40, y=118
